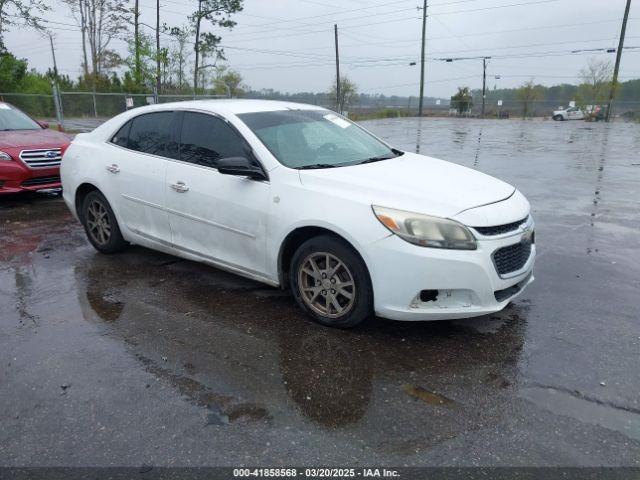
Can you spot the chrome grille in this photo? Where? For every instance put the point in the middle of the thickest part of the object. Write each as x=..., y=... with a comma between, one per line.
x=43, y=158
x=500, y=229
x=512, y=258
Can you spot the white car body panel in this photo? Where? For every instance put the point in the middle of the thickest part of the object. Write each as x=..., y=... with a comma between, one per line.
x=139, y=187
x=240, y=224
x=428, y=187
x=221, y=216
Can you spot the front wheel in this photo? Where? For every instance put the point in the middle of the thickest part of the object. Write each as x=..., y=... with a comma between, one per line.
x=558, y=118
x=100, y=224
x=331, y=283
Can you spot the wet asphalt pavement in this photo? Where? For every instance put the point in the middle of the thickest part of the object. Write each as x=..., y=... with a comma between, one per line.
x=142, y=358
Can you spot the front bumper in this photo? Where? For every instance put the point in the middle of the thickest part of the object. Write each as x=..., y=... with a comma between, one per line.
x=466, y=282
x=16, y=178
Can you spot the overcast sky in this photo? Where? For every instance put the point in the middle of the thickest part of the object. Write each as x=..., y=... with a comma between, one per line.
x=288, y=45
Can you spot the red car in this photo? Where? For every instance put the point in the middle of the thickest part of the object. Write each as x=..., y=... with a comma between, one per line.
x=30, y=153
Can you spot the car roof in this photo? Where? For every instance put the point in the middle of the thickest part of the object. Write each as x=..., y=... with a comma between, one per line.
x=224, y=107
x=230, y=105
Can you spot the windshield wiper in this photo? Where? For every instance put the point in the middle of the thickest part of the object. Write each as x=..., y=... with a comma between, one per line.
x=376, y=159
x=315, y=166
x=379, y=158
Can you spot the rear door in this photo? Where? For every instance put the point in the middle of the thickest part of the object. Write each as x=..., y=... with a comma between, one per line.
x=220, y=217
x=138, y=169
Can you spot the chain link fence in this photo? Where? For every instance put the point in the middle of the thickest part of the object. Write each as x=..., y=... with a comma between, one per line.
x=83, y=111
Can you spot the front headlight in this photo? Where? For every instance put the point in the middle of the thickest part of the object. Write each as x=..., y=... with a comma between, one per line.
x=426, y=231
x=5, y=156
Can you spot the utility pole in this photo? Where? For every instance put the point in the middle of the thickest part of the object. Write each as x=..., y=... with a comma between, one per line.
x=56, y=93
x=338, y=102
x=53, y=54
x=157, y=49
x=614, y=83
x=424, y=31
x=136, y=39
x=484, y=83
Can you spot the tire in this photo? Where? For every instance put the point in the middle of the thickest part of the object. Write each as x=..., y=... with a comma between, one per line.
x=100, y=224
x=336, y=292
x=558, y=118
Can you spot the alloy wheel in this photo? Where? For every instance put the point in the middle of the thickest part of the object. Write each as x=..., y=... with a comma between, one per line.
x=98, y=222
x=326, y=284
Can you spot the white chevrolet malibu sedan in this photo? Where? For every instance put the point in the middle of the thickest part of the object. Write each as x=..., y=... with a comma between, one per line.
x=297, y=196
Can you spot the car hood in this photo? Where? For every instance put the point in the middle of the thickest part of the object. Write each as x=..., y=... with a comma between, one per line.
x=32, y=139
x=411, y=182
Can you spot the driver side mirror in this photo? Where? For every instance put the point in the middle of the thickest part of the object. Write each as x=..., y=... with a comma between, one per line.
x=241, y=167
x=43, y=124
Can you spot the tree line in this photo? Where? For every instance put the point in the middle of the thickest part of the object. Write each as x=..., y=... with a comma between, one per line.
x=173, y=59
x=593, y=89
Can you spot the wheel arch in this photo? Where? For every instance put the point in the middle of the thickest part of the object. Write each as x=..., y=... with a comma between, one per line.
x=297, y=237
x=81, y=193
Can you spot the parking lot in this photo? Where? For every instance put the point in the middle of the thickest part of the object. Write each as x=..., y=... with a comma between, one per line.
x=145, y=359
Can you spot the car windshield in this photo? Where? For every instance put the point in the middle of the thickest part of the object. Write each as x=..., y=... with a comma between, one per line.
x=13, y=119
x=315, y=139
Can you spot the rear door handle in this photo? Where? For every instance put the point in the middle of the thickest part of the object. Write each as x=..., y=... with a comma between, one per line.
x=179, y=187
x=113, y=168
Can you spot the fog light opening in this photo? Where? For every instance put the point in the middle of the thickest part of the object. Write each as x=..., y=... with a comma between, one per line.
x=428, y=295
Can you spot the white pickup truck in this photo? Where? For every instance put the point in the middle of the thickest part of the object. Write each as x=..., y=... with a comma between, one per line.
x=571, y=113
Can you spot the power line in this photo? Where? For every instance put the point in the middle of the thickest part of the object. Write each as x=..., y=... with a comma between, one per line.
x=319, y=56
x=477, y=34
x=305, y=32
x=387, y=21
x=387, y=87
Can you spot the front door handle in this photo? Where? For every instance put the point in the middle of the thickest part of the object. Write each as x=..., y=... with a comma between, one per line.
x=179, y=187
x=113, y=168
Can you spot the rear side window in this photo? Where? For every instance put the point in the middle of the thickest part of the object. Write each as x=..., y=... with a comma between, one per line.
x=205, y=139
x=122, y=137
x=154, y=133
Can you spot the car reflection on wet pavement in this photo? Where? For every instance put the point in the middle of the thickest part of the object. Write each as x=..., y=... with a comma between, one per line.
x=142, y=357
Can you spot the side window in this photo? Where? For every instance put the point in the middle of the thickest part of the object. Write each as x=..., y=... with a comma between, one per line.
x=153, y=133
x=205, y=139
x=122, y=137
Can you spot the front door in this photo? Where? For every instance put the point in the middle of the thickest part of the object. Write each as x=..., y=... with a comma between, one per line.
x=219, y=217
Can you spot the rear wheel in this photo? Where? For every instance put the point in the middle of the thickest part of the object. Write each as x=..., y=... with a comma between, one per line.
x=331, y=283
x=100, y=224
